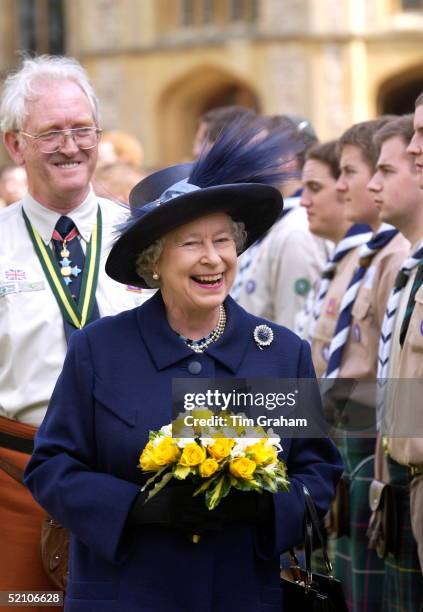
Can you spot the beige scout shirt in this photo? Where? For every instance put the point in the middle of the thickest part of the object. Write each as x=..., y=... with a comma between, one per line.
x=32, y=338
x=322, y=332
x=359, y=359
x=404, y=410
x=284, y=268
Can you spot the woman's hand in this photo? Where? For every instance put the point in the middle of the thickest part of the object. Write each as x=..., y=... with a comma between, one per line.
x=175, y=507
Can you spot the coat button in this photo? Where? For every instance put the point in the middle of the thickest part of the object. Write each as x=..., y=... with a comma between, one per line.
x=194, y=367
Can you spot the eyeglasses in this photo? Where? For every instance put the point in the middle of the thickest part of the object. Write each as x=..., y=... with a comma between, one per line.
x=53, y=141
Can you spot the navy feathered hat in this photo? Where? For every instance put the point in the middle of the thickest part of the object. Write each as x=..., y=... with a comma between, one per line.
x=237, y=175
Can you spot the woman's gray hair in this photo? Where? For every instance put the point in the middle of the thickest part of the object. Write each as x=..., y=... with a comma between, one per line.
x=149, y=257
x=19, y=87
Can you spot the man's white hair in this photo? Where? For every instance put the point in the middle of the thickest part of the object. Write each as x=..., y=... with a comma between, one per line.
x=19, y=87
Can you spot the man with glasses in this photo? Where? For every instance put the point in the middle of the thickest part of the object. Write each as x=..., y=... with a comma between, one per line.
x=53, y=245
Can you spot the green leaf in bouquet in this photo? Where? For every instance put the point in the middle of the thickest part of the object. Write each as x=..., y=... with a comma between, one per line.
x=245, y=485
x=268, y=482
x=206, y=484
x=220, y=489
x=159, y=485
x=181, y=472
x=155, y=476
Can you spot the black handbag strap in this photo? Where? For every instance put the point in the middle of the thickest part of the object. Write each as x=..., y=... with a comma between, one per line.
x=312, y=527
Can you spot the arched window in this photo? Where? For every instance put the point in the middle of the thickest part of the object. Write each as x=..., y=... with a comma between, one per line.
x=41, y=26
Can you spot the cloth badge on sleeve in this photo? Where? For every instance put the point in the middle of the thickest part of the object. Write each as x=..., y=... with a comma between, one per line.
x=250, y=286
x=331, y=308
x=14, y=275
x=7, y=288
x=356, y=332
x=21, y=287
x=302, y=286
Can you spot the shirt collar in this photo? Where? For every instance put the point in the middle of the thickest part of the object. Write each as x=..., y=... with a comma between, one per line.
x=44, y=220
x=166, y=348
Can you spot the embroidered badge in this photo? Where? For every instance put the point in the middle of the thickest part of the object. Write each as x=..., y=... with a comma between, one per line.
x=250, y=286
x=263, y=336
x=356, y=332
x=15, y=275
x=302, y=286
x=20, y=287
x=331, y=308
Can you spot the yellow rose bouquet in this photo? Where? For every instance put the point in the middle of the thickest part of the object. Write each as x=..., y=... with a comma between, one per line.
x=215, y=463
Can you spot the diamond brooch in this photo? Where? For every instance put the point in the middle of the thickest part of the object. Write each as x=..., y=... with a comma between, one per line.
x=263, y=336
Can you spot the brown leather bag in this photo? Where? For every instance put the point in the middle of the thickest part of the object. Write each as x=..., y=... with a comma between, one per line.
x=54, y=539
x=55, y=552
x=383, y=529
x=337, y=520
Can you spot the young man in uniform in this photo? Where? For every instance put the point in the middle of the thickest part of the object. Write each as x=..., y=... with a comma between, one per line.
x=396, y=193
x=52, y=280
x=411, y=361
x=326, y=219
x=353, y=356
x=275, y=275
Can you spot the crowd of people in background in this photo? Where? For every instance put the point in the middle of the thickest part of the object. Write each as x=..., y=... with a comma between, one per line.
x=342, y=267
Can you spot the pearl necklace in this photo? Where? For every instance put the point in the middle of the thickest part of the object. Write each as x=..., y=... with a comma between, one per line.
x=199, y=346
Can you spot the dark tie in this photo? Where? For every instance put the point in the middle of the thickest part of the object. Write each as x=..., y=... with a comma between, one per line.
x=69, y=254
x=418, y=281
x=71, y=260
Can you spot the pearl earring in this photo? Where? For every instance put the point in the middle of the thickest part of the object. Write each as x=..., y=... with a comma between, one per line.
x=155, y=276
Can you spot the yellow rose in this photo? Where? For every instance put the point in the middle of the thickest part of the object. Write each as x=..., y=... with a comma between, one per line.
x=165, y=452
x=192, y=454
x=242, y=467
x=147, y=462
x=208, y=468
x=221, y=448
x=261, y=453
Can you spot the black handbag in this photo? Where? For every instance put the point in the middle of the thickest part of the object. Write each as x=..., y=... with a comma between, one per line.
x=307, y=591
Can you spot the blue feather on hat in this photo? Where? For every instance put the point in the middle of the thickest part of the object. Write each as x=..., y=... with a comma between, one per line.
x=239, y=175
x=247, y=153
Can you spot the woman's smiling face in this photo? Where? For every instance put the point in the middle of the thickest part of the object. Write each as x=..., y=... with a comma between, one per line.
x=197, y=266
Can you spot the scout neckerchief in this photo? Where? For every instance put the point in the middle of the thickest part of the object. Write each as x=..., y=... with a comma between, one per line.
x=417, y=283
x=357, y=235
x=380, y=239
x=388, y=325
x=77, y=314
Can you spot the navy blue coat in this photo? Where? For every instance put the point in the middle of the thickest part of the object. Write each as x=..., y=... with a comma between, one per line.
x=114, y=388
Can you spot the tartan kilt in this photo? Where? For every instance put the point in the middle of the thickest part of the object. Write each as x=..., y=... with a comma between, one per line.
x=358, y=567
x=403, y=587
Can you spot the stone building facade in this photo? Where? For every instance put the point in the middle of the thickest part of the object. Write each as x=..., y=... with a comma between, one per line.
x=159, y=64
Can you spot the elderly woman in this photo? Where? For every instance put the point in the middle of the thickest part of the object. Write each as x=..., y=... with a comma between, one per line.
x=188, y=226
